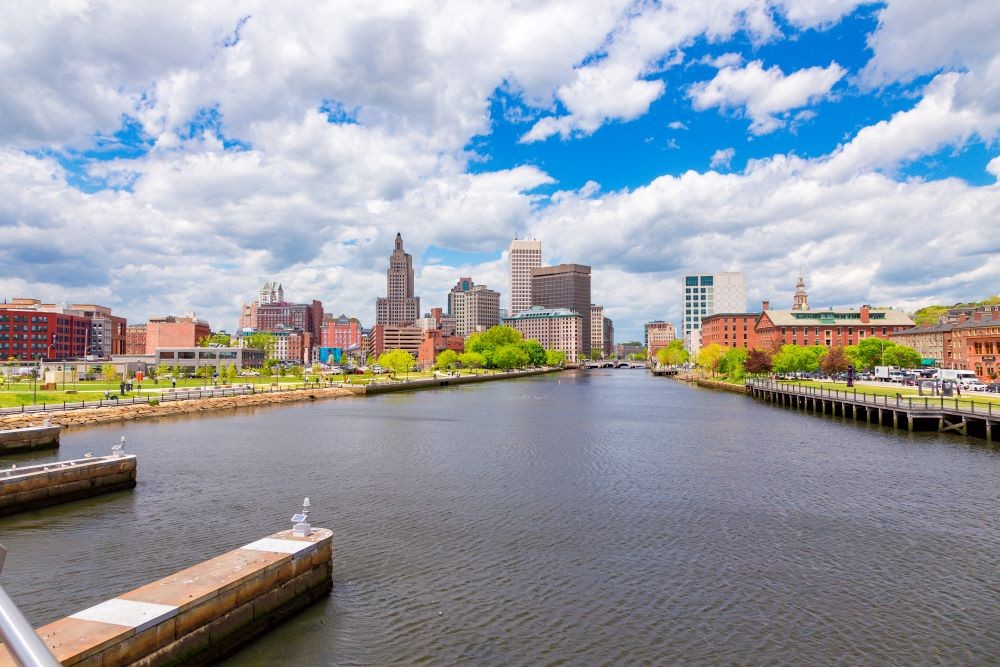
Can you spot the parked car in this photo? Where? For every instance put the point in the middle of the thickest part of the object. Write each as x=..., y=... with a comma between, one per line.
x=993, y=387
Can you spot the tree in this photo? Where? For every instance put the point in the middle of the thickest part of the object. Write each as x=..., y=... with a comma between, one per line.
x=397, y=361
x=471, y=360
x=510, y=356
x=267, y=368
x=733, y=364
x=596, y=354
x=298, y=371
x=535, y=352
x=903, y=356
x=231, y=372
x=446, y=360
x=486, y=343
x=260, y=340
x=675, y=354
x=108, y=373
x=871, y=352
x=758, y=362
x=709, y=356
x=317, y=368
x=834, y=361
x=219, y=339
x=554, y=358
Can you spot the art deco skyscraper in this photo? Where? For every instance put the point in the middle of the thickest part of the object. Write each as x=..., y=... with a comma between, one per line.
x=399, y=307
x=522, y=256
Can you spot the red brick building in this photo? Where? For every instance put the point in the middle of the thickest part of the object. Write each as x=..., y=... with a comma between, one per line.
x=173, y=331
x=730, y=330
x=343, y=332
x=135, y=339
x=29, y=335
x=434, y=343
x=976, y=345
x=831, y=328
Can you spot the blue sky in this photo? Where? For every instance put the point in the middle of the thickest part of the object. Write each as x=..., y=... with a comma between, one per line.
x=167, y=160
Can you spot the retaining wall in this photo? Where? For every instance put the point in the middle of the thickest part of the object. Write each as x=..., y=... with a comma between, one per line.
x=31, y=487
x=432, y=383
x=199, y=614
x=31, y=437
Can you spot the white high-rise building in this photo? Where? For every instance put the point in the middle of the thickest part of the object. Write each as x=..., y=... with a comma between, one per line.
x=706, y=295
x=522, y=256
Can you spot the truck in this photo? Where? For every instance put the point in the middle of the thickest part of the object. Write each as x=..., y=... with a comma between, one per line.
x=965, y=379
x=888, y=373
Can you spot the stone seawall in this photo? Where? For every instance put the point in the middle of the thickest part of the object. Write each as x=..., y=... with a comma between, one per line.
x=199, y=614
x=130, y=412
x=26, y=439
x=434, y=383
x=31, y=487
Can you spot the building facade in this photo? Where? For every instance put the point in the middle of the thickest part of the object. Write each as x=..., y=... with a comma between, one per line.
x=976, y=345
x=135, y=339
x=189, y=359
x=706, y=295
x=343, y=332
x=932, y=341
x=107, y=331
x=554, y=328
x=399, y=307
x=737, y=330
x=564, y=286
x=434, y=343
x=474, y=307
x=383, y=338
x=271, y=313
x=174, y=332
x=658, y=335
x=28, y=335
x=523, y=255
x=831, y=328
x=602, y=332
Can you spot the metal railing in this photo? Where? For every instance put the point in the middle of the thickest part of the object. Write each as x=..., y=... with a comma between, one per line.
x=963, y=405
x=18, y=636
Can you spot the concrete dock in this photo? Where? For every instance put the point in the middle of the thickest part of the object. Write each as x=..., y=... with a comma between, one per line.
x=27, y=439
x=30, y=487
x=201, y=613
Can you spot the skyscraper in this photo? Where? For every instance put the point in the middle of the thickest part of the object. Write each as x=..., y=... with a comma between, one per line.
x=399, y=307
x=564, y=286
x=522, y=256
x=709, y=294
x=474, y=307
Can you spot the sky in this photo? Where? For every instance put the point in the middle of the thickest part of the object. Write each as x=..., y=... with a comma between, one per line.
x=166, y=158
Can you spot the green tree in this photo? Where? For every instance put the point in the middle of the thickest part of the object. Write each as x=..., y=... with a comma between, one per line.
x=871, y=351
x=231, y=372
x=675, y=354
x=596, y=354
x=555, y=358
x=260, y=340
x=903, y=356
x=298, y=371
x=709, y=357
x=108, y=373
x=397, y=361
x=535, y=352
x=471, y=360
x=282, y=370
x=223, y=339
x=507, y=357
x=267, y=368
x=446, y=360
x=733, y=364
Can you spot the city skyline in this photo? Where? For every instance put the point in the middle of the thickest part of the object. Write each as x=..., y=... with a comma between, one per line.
x=171, y=160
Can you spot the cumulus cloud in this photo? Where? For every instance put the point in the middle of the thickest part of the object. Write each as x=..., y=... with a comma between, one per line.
x=677, y=125
x=765, y=94
x=722, y=158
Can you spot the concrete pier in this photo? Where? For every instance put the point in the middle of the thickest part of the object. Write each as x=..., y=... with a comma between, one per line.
x=199, y=614
x=26, y=439
x=34, y=486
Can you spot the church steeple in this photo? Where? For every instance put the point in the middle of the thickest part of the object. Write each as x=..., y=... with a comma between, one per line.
x=801, y=298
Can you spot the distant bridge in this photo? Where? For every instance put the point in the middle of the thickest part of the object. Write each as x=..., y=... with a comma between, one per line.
x=613, y=363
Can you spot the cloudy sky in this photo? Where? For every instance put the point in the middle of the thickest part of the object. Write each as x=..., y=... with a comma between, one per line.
x=171, y=157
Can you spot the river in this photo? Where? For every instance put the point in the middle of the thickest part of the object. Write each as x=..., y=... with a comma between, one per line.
x=601, y=517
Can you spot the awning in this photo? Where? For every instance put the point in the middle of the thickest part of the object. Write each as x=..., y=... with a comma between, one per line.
x=927, y=362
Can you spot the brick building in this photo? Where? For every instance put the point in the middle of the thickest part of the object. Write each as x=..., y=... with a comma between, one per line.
x=107, y=331
x=135, y=339
x=658, y=335
x=399, y=306
x=29, y=335
x=383, y=338
x=931, y=341
x=730, y=330
x=554, y=328
x=171, y=331
x=343, y=332
x=976, y=345
x=775, y=328
x=434, y=343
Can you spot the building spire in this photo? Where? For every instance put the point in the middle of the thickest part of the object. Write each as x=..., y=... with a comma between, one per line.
x=399, y=241
x=801, y=297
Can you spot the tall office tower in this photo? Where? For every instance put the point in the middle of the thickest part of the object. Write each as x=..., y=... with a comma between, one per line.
x=706, y=295
x=522, y=256
x=474, y=307
x=399, y=307
x=564, y=286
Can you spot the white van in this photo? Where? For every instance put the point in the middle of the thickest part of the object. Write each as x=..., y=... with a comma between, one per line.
x=967, y=380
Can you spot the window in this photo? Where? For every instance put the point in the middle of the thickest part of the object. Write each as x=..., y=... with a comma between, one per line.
x=707, y=280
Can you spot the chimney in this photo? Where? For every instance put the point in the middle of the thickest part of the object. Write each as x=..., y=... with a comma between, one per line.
x=865, y=310
x=962, y=318
x=766, y=305
x=977, y=316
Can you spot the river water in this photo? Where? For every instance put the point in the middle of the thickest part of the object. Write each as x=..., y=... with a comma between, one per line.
x=602, y=517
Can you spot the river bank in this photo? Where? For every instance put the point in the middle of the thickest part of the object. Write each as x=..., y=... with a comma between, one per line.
x=711, y=384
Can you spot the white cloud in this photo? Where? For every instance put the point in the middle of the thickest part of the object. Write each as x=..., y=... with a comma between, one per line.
x=765, y=94
x=722, y=158
x=677, y=125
